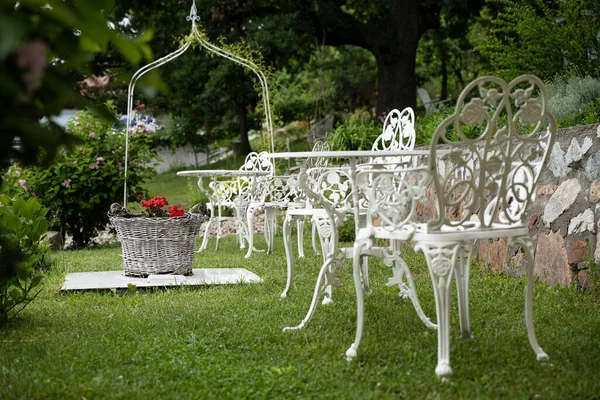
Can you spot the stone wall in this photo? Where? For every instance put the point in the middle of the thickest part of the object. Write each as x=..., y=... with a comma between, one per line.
x=564, y=214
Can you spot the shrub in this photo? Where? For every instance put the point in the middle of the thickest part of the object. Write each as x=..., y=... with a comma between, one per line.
x=358, y=132
x=541, y=38
x=82, y=182
x=426, y=125
x=584, y=116
x=23, y=252
x=572, y=95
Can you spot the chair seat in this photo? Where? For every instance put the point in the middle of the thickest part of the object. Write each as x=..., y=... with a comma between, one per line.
x=452, y=233
x=419, y=232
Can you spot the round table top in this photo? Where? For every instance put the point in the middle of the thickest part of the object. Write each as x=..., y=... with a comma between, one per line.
x=222, y=173
x=348, y=154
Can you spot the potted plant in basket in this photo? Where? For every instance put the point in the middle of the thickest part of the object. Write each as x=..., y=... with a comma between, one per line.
x=159, y=240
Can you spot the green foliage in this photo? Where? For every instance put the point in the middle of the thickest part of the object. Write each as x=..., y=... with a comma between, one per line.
x=445, y=60
x=357, y=132
x=574, y=98
x=586, y=115
x=425, y=126
x=334, y=78
x=81, y=183
x=296, y=128
x=39, y=57
x=23, y=252
x=45, y=48
x=544, y=38
x=347, y=231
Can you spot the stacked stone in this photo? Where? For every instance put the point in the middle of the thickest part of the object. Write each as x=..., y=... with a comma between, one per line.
x=565, y=213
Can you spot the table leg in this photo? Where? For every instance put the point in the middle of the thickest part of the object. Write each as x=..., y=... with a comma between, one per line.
x=300, y=238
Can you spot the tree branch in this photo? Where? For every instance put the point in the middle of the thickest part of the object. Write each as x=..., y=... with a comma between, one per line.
x=336, y=27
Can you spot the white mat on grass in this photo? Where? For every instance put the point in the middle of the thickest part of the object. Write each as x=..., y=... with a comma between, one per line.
x=118, y=280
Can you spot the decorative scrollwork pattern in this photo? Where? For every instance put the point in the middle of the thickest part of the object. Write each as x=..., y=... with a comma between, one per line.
x=499, y=137
x=398, y=131
x=392, y=196
x=193, y=14
x=398, y=134
x=317, y=161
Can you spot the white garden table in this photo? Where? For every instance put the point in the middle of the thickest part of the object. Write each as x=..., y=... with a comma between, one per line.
x=335, y=255
x=215, y=201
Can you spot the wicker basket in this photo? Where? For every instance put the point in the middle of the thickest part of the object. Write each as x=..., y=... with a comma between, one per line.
x=158, y=245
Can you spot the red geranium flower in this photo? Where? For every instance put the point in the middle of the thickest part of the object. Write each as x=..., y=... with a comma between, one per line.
x=154, y=208
x=176, y=212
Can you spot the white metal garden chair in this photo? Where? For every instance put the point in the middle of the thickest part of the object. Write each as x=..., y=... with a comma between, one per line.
x=236, y=195
x=398, y=134
x=335, y=187
x=499, y=137
x=282, y=193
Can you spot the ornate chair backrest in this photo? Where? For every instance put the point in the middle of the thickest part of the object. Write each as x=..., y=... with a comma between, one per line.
x=496, y=142
x=239, y=189
x=391, y=196
x=333, y=186
x=296, y=193
x=398, y=134
x=398, y=131
x=281, y=189
x=258, y=162
x=255, y=162
x=318, y=161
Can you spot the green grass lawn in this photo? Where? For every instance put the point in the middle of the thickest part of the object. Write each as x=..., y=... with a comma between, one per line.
x=226, y=341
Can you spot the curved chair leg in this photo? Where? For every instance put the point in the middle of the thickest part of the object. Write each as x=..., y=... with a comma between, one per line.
x=462, y=287
x=400, y=271
x=270, y=227
x=323, y=225
x=240, y=227
x=527, y=246
x=300, y=233
x=289, y=257
x=205, y=239
x=359, y=279
x=314, y=239
x=219, y=234
x=441, y=261
x=250, y=234
x=365, y=274
x=325, y=279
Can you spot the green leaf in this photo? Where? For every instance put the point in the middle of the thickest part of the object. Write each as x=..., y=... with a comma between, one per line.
x=129, y=50
x=35, y=281
x=12, y=30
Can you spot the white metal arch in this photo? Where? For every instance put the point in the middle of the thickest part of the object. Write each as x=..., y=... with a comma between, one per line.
x=193, y=17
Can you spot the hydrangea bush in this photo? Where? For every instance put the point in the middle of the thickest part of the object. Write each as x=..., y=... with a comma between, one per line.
x=84, y=180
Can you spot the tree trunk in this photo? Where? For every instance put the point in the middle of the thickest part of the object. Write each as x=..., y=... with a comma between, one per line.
x=444, y=93
x=397, y=85
x=242, y=112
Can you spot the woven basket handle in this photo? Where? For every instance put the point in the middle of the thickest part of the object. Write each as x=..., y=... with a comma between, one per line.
x=199, y=208
x=115, y=210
